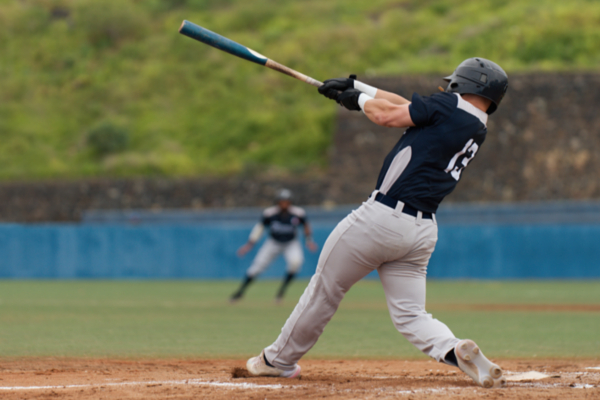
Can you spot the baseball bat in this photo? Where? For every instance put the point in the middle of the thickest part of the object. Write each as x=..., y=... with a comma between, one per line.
x=215, y=40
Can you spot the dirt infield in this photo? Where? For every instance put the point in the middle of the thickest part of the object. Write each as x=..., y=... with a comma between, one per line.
x=343, y=379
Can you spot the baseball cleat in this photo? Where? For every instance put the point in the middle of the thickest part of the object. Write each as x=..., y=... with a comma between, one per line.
x=235, y=298
x=258, y=367
x=473, y=363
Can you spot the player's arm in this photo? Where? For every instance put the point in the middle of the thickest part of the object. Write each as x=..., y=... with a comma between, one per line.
x=254, y=237
x=332, y=87
x=310, y=243
x=391, y=97
x=375, y=93
x=385, y=113
x=380, y=111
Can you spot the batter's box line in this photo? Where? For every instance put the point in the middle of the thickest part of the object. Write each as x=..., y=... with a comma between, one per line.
x=191, y=382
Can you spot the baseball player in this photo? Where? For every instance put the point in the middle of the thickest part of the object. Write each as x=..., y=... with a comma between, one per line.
x=282, y=221
x=395, y=230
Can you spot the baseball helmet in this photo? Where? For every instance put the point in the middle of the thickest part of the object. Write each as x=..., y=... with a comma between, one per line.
x=284, y=194
x=481, y=77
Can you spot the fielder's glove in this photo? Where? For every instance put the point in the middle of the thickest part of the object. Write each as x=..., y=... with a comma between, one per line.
x=349, y=99
x=331, y=87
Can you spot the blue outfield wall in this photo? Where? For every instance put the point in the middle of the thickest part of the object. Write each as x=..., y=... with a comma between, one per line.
x=125, y=251
x=517, y=252
x=207, y=251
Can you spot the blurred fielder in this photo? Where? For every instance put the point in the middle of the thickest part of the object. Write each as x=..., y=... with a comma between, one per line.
x=395, y=230
x=282, y=220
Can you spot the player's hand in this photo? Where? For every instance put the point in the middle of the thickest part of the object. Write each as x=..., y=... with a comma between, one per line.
x=349, y=99
x=312, y=246
x=332, y=87
x=242, y=251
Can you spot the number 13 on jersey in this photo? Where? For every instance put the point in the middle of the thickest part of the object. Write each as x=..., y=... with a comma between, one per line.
x=466, y=155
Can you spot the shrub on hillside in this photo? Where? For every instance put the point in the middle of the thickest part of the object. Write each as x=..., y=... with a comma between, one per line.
x=108, y=22
x=107, y=138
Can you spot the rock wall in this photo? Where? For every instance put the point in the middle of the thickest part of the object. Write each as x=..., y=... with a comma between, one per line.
x=543, y=144
x=65, y=201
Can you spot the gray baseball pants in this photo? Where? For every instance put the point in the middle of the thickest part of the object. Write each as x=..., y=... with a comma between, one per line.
x=373, y=237
x=292, y=252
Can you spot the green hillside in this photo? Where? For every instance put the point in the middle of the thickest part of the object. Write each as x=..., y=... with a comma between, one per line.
x=109, y=87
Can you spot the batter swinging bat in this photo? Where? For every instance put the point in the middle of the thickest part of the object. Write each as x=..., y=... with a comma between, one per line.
x=194, y=31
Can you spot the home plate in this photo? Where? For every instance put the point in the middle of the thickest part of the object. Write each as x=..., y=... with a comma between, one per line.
x=528, y=376
x=593, y=368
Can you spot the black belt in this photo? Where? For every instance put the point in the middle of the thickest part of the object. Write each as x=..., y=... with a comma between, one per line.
x=407, y=209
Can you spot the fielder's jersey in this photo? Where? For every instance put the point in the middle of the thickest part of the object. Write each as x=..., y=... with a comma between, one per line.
x=282, y=224
x=428, y=161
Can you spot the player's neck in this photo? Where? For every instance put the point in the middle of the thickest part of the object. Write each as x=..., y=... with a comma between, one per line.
x=480, y=102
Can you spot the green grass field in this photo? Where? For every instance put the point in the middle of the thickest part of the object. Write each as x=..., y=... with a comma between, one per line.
x=193, y=319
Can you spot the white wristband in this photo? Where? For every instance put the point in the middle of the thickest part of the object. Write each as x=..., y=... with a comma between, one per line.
x=362, y=99
x=366, y=89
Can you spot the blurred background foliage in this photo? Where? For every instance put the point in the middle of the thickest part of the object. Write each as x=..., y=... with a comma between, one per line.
x=176, y=107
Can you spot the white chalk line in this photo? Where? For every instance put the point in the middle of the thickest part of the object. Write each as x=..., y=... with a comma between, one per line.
x=244, y=385
x=434, y=391
x=192, y=382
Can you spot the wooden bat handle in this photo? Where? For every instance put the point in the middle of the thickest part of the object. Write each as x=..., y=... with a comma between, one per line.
x=293, y=73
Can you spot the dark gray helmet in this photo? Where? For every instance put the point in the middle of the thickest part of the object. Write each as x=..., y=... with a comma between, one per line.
x=481, y=77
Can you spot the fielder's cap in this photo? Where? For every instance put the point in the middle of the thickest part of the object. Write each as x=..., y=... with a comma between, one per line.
x=284, y=194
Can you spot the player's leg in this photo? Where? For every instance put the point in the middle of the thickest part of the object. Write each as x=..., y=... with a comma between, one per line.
x=265, y=256
x=337, y=270
x=355, y=248
x=294, y=258
x=287, y=279
x=238, y=294
x=404, y=283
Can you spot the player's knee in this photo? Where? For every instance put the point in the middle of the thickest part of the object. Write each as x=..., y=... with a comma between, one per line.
x=405, y=317
x=294, y=266
x=253, y=271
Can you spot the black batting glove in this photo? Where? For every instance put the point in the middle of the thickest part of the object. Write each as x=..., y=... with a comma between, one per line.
x=331, y=87
x=349, y=99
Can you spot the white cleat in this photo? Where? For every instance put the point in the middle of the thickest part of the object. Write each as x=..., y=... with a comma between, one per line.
x=473, y=363
x=257, y=367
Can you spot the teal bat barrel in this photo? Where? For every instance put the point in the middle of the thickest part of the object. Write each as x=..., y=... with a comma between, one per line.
x=210, y=38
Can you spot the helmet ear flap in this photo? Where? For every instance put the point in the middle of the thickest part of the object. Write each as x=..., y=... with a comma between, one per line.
x=449, y=80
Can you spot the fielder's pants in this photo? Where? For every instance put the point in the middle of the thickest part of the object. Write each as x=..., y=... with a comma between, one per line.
x=292, y=252
x=374, y=237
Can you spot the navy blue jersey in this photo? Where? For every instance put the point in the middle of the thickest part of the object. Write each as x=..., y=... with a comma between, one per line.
x=428, y=160
x=282, y=224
